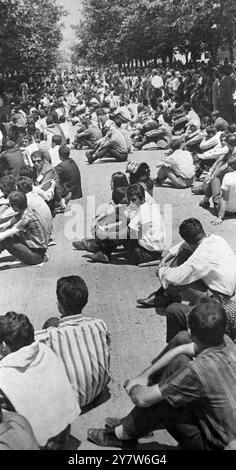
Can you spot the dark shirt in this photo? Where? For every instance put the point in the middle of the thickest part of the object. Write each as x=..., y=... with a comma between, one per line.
x=12, y=159
x=69, y=177
x=209, y=383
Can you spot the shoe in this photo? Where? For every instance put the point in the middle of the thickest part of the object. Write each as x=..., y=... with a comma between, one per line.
x=112, y=423
x=148, y=301
x=99, y=257
x=86, y=245
x=204, y=204
x=51, y=242
x=104, y=438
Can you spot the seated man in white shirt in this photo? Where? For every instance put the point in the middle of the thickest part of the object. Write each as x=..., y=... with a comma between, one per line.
x=178, y=168
x=202, y=265
x=227, y=202
x=33, y=382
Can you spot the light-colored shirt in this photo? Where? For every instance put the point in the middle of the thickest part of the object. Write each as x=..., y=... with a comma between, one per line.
x=181, y=162
x=82, y=344
x=35, y=382
x=229, y=184
x=148, y=225
x=213, y=262
x=54, y=154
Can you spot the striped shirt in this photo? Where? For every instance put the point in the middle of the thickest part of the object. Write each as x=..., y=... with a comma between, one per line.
x=209, y=382
x=83, y=346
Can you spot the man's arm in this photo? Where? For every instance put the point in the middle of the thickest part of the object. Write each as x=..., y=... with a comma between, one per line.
x=222, y=208
x=143, y=379
x=144, y=397
x=11, y=232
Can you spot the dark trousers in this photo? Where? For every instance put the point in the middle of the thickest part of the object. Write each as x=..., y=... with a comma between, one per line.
x=176, y=319
x=17, y=248
x=181, y=423
x=110, y=152
x=136, y=253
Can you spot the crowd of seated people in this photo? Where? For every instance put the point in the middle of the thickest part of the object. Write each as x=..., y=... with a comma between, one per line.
x=51, y=376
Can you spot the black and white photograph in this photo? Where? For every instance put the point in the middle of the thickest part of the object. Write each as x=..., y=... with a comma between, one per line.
x=118, y=229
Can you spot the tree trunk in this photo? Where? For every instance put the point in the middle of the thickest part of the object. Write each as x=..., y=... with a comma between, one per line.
x=231, y=48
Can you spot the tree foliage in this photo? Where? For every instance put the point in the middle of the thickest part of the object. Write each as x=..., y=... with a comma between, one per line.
x=30, y=34
x=147, y=29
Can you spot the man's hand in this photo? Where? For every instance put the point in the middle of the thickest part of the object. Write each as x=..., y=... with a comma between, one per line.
x=217, y=221
x=140, y=380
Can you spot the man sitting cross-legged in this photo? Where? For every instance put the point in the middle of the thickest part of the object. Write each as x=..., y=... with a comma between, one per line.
x=27, y=234
x=80, y=342
x=193, y=399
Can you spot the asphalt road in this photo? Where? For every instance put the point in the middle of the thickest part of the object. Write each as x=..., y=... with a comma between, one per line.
x=137, y=335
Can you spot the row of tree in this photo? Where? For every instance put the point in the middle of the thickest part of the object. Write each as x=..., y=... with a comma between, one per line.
x=144, y=30
x=30, y=35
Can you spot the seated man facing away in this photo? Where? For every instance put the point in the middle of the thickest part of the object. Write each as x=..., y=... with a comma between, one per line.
x=15, y=432
x=112, y=146
x=202, y=265
x=178, y=168
x=69, y=174
x=27, y=234
x=193, y=399
x=81, y=343
x=33, y=381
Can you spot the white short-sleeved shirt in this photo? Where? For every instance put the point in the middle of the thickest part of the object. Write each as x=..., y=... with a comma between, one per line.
x=149, y=226
x=229, y=184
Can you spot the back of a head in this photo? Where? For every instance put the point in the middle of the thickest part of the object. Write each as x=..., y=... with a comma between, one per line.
x=62, y=119
x=187, y=106
x=16, y=330
x=18, y=200
x=231, y=140
x=26, y=171
x=191, y=231
x=72, y=294
x=211, y=130
x=24, y=184
x=119, y=180
x=207, y=321
x=57, y=139
x=119, y=195
x=49, y=120
x=7, y=184
x=232, y=129
x=64, y=152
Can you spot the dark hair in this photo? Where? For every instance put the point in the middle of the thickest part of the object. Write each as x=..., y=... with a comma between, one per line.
x=62, y=119
x=16, y=330
x=119, y=195
x=24, y=184
x=136, y=190
x=232, y=128
x=211, y=130
x=187, y=106
x=64, y=152
x=143, y=169
x=10, y=144
x=231, y=140
x=7, y=184
x=57, y=139
x=49, y=120
x=119, y=180
x=207, y=320
x=72, y=294
x=191, y=231
x=38, y=153
x=27, y=171
x=18, y=199
x=216, y=113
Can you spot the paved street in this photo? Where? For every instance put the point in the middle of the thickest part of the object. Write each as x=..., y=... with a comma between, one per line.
x=137, y=335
